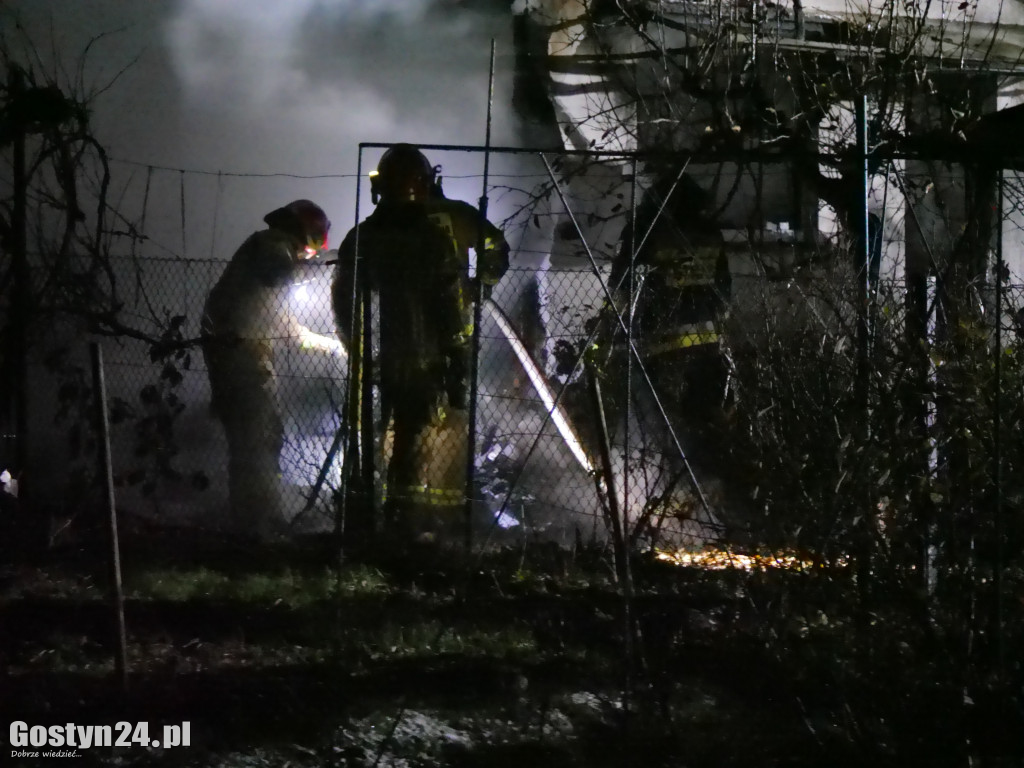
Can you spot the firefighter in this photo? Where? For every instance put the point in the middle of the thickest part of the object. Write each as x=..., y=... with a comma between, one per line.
x=682, y=280
x=414, y=254
x=246, y=311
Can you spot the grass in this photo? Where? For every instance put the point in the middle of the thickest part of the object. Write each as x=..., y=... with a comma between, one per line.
x=260, y=649
x=191, y=617
x=433, y=638
x=287, y=586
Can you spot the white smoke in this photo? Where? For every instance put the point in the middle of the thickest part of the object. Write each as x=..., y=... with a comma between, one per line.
x=247, y=56
x=294, y=87
x=384, y=71
x=271, y=87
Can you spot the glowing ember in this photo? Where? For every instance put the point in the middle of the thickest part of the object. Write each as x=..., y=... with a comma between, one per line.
x=718, y=559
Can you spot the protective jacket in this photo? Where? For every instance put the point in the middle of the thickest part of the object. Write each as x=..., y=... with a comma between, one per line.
x=244, y=313
x=415, y=258
x=682, y=283
x=682, y=274
x=246, y=309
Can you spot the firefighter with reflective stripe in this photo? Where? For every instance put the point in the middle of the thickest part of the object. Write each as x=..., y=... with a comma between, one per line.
x=414, y=249
x=682, y=280
x=245, y=313
x=685, y=274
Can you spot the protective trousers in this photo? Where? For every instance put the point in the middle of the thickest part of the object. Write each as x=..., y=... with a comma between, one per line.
x=243, y=399
x=427, y=470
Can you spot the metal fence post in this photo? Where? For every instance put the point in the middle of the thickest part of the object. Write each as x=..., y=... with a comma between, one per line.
x=106, y=473
x=478, y=303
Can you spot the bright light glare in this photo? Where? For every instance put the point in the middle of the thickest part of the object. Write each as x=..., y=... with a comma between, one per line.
x=301, y=293
x=505, y=520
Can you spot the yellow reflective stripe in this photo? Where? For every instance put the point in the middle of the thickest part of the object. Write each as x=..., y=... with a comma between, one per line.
x=435, y=497
x=491, y=245
x=684, y=341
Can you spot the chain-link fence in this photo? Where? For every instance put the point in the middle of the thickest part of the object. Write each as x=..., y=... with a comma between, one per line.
x=537, y=447
x=564, y=305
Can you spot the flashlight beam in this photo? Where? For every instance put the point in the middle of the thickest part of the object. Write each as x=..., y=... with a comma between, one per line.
x=311, y=340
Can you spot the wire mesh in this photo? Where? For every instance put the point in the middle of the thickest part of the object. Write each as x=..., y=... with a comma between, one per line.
x=536, y=460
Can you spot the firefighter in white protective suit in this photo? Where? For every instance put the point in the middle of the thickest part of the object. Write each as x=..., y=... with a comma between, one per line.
x=414, y=253
x=246, y=313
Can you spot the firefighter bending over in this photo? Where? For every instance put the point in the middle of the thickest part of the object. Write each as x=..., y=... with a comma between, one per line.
x=244, y=314
x=413, y=251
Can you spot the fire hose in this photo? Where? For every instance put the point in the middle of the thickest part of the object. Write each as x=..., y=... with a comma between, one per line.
x=540, y=383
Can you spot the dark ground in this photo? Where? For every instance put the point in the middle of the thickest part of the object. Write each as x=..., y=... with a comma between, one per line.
x=276, y=656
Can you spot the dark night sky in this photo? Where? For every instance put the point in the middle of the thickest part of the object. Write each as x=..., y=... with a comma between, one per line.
x=263, y=86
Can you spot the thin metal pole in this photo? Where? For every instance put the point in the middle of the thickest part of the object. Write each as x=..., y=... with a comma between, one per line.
x=107, y=474
x=21, y=302
x=622, y=570
x=920, y=284
x=861, y=374
x=997, y=444
x=478, y=302
x=181, y=205
x=604, y=447
x=863, y=255
x=344, y=523
x=369, y=438
x=368, y=441
x=629, y=358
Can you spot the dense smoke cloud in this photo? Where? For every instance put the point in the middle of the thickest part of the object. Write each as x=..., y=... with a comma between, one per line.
x=253, y=60
x=258, y=86
x=295, y=87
